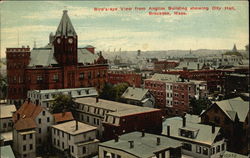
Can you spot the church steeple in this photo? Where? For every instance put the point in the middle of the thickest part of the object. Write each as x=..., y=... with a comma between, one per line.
x=234, y=49
x=65, y=28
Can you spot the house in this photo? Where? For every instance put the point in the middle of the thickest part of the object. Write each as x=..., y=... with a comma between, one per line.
x=60, y=64
x=6, y=113
x=46, y=97
x=6, y=152
x=117, y=118
x=31, y=125
x=140, y=144
x=232, y=115
x=199, y=140
x=75, y=139
x=138, y=96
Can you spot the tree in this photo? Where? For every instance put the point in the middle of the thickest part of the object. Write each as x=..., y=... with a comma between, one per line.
x=61, y=103
x=3, y=86
x=198, y=105
x=119, y=90
x=113, y=92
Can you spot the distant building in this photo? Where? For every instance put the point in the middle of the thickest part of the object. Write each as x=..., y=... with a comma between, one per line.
x=237, y=83
x=138, y=96
x=45, y=97
x=198, y=140
x=75, y=139
x=6, y=113
x=31, y=129
x=232, y=116
x=120, y=76
x=173, y=93
x=6, y=152
x=138, y=144
x=113, y=118
x=160, y=66
x=60, y=64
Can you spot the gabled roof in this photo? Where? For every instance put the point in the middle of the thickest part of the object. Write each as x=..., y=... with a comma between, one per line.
x=6, y=111
x=63, y=117
x=65, y=27
x=204, y=132
x=233, y=107
x=134, y=93
x=26, y=123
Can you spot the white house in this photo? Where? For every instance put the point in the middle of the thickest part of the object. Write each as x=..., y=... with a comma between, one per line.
x=75, y=138
x=6, y=112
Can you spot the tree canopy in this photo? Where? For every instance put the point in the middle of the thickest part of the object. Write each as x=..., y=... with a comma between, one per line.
x=113, y=92
x=198, y=105
x=61, y=103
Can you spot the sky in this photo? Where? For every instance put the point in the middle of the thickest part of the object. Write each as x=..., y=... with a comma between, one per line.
x=22, y=23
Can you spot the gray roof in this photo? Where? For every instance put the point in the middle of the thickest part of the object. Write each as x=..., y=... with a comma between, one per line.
x=70, y=127
x=45, y=56
x=234, y=106
x=193, y=118
x=204, y=132
x=6, y=152
x=65, y=27
x=234, y=155
x=117, y=108
x=165, y=77
x=7, y=111
x=189, y=65
x=143, y=146
x=134, y=93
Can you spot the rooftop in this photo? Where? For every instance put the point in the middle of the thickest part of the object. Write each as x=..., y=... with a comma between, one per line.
x=143, y=146
x=134, y=93
x=234, y=155
x=6, y=111
x=70, y=127
x=62, y=117
x=119, y=109
x=6, y=152
x=165, y=77
x=204, y=132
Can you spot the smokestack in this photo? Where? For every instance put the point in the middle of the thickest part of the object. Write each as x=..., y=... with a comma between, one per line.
x=198, y=66
x=213, y=128
x=76, y=125
x=116, y=138
x=131, y=144
x=183, y=121
x=168, y=130
x=143, y=133
x=97, y=99
x=158, y=141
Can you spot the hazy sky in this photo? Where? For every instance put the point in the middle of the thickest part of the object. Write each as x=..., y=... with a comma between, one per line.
x=128, y=30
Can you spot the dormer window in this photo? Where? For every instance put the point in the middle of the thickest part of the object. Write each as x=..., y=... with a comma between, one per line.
x=188, y=132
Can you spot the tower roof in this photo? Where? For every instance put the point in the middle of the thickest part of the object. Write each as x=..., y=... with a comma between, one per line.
x=65, y=27
x=234, y=49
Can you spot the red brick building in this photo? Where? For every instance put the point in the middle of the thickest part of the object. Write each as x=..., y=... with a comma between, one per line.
x=60, y=64
x=160, y=66
x=173, y=94
x=130, y=77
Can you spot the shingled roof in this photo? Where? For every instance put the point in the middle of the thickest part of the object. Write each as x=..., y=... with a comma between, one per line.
x=24, y=117
x=63, y=117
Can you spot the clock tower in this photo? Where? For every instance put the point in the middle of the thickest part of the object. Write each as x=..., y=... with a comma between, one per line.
x=65, y=42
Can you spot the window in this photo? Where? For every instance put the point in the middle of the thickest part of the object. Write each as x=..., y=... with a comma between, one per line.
x=63, y=145
x=58, y=143
x=187, y=146
x=83, y=150
x=43, y=113
x=4, y=125
x=31, y=146
x=39, y=140
x=54, y=131
x=62, y=134
x=87, y=118
x=205, y=151
x=24, y=137
x=48, y=119
x=39, y=130
x=24, y=147
x=218, y=149
x=112, y=155
x=39, y=79
x=213, y=151
x=222, y=147
x=55, y=78
x=31, y=136
x=54, y=141
x=69, y=137
x=72, y=149
x=81, y=76
x=113, y=120
x=39, y=121
x=198, y=149
x=118, y=156
x=58, y=132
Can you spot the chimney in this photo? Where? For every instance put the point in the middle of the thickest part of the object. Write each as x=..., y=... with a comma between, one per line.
x=143, y=133
x=198, y=66
x=168, y=130
x=76, y=125
x=158, y=141
x=37, y=102
x=213, y=128
x=131, y=144
x=183, y=121
x=97, y=99
x=116, y=138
